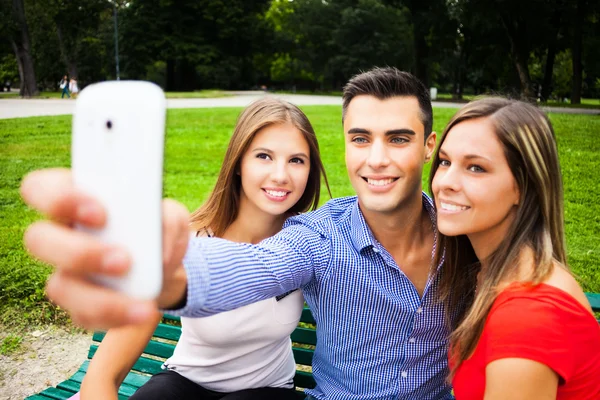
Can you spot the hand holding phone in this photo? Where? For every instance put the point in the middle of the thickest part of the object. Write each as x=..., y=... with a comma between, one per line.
x=117, y=157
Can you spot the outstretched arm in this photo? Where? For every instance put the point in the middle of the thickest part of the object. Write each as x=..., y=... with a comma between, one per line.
x=218, y=275
x=223, y=275
x=115, y=357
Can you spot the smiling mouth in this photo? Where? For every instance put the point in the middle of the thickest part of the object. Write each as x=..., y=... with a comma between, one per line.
x=277, y=194
x=380, y=182
x=452, y=207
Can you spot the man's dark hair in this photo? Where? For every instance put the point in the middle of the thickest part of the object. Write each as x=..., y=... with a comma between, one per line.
x=388, y=82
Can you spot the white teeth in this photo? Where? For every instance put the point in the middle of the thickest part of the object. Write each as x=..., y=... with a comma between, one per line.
x=380, y=182
x=452, y=207
x=276, y=193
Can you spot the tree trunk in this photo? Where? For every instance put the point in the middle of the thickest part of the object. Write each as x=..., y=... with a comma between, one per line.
x=459, y=73
x=67, y=58
x=170, y=81
x=577, y=54
x=22, y=49
x=519, y=54
x=551, y=55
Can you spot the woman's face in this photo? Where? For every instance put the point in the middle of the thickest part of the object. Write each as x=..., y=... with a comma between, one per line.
x=274, y=170
x=475, y=191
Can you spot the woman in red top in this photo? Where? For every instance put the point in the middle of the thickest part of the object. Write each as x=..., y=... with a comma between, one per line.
x=528, y=331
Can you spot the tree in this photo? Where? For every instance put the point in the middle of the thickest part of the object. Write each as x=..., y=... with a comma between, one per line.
x=17, y=32
x=577, y=52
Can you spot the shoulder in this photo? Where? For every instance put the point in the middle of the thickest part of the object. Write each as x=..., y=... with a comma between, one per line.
x=327, y=218
x=539, y=323
x=525, y=306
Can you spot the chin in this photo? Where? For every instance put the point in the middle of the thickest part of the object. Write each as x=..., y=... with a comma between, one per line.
x=450, y=229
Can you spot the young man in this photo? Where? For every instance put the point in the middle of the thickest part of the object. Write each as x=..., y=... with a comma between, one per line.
x=363, y=263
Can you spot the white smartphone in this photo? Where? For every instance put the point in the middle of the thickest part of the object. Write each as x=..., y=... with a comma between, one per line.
x=117, y=157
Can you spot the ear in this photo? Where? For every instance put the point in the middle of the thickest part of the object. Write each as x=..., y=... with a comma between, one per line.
x=430, y=146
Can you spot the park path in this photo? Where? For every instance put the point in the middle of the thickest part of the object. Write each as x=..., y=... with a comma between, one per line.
x=19, y=108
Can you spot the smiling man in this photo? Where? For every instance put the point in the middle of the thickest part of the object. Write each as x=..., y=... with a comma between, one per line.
x=364, y=263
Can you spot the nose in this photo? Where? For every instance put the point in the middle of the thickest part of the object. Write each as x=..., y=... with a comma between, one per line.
x=446, y=178
x=280, y=173
x=378, y=155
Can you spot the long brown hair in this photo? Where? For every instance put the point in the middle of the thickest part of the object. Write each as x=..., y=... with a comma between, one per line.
x=529, y=145
x=221, y=208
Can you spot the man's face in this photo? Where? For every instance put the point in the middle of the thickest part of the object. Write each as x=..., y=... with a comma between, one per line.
x=385, y=151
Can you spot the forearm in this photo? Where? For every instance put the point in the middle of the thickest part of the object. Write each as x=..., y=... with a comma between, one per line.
x=114, y=358
x=223, y=275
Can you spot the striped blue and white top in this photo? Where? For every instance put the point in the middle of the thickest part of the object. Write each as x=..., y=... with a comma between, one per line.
x=377, y=339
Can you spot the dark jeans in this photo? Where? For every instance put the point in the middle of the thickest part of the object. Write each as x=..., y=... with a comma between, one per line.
x=170, y=385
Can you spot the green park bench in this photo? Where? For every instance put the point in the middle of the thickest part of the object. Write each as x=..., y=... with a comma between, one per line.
x=162, y=346
x=163, y=343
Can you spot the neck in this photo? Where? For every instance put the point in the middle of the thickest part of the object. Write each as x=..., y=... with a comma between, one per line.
x=487, y=242
x=253, y=227
x=401, y=230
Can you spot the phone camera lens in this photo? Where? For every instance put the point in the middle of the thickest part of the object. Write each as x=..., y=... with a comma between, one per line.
x=109, y=124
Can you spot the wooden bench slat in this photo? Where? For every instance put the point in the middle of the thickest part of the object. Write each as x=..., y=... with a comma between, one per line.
x=57, y=394
x=38, y=396
x=70, y=386
x=594, y=299
x=304, y=336
x=143, y=364
x=307, y=316
x=163, y=331
x=304, y=380
x=170, y=332
x=303, y=356
x=154, y=348
x=133, y=378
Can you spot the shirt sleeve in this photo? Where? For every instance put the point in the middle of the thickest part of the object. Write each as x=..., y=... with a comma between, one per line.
x=224, y=275
x=529, y=328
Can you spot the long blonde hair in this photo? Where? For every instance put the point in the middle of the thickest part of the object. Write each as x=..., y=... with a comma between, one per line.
x=529, y=145
x=221, y=208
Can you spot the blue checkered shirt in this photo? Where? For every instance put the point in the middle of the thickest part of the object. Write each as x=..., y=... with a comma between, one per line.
x=377, y=339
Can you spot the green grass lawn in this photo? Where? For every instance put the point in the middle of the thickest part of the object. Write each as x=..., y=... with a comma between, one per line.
x=196, y=142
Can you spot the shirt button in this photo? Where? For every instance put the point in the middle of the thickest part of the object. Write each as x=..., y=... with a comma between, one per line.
x=404, y=374
x=419, y=310
x=412, y=340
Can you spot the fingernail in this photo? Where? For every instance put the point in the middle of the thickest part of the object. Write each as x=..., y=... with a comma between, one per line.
x=138, y=313
x=88, y=212
x=115, y=261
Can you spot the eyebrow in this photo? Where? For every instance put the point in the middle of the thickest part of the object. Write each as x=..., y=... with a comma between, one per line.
x=265, y=150
x=468, y=156
x=401, y=131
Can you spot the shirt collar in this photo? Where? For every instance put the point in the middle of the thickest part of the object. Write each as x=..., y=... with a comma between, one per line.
x=361, y=234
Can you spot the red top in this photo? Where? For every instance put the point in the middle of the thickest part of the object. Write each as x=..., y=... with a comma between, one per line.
x=543, y=324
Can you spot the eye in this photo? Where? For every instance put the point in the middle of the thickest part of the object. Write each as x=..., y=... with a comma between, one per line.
x=444, y=163
x=475, y=168
x=359, y=140
x=263, y=156
x=297, y=160
x=399, y=140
